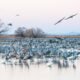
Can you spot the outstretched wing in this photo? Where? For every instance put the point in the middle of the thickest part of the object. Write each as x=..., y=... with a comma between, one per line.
x=17, y=15
x=59, y=21
x=10, y=24
x=71, y=16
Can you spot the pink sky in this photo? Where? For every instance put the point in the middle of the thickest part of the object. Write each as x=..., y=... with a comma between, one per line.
x=41, y=13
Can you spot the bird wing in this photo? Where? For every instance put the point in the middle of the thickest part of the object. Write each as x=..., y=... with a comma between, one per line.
x=59, y=21
x=71, y=16
x=10, y=24
x=17, y=14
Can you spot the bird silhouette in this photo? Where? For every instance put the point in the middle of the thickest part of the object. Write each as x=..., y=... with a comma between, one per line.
x=17, y=15
x=71, y=16
x=59, y=21
x=10, y=24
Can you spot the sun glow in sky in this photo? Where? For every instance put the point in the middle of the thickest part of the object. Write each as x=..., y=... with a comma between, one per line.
x=42, y=14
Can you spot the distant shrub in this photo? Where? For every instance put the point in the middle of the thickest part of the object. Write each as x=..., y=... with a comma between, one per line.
x=30, y=33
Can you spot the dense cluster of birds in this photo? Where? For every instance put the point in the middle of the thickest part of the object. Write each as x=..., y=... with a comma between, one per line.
x=63, y=52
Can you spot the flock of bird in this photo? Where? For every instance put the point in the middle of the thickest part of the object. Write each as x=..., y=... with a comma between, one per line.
x=10, y=24
x=59, y=21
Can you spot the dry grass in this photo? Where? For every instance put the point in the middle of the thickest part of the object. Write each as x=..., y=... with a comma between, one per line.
x=58, y=36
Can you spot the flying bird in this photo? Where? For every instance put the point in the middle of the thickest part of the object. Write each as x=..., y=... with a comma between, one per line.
x=10, y=24
x=17, y=15
x=59, y=21
x=71, y=16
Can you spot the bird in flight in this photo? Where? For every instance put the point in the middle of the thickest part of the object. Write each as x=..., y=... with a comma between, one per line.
x=71, y=16
x=59, y=21
x=10, y=24
x=17, y=15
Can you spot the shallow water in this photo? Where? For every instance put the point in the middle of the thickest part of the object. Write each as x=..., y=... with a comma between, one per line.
x=39, y=72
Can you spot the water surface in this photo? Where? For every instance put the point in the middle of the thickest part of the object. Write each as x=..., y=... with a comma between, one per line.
x=39, y=72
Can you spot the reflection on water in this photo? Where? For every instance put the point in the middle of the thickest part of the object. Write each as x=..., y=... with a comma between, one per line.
x=49, y=62
x=40, y=72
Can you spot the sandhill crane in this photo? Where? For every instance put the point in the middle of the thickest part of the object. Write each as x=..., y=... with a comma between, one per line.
x=59, y=21
x=71, y=16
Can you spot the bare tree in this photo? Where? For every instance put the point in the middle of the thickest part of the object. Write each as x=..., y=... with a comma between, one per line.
x=34, y=33
x=20, y=32
x=3, y=29
x=31, y=33
x=38, y=33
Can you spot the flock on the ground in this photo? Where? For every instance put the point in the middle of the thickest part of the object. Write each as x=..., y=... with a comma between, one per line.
x=62, y=52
